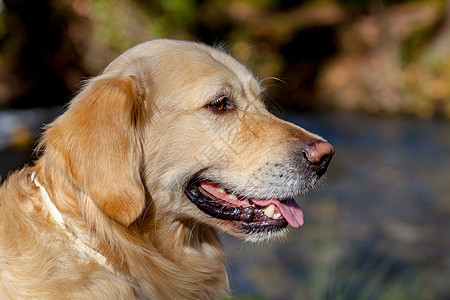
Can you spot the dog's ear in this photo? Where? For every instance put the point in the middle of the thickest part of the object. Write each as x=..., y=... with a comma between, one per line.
x=97, y=139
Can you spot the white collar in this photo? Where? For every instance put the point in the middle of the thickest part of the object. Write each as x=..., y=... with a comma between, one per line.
x=56, y=215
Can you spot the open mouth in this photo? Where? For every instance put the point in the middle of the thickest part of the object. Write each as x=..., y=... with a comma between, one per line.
x=250, y=214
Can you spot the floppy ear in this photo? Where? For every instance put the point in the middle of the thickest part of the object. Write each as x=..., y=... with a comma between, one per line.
x=97, y=139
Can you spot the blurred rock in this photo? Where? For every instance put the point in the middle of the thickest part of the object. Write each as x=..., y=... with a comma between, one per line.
x=21, y=137
x=380, y=68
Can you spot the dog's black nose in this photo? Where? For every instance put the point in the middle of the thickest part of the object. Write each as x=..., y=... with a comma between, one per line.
x=319, y=154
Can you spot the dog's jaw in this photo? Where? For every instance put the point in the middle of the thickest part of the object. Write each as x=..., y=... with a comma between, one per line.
x=249, y=219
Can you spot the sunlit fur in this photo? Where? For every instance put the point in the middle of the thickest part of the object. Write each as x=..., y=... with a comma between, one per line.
x=115, y=164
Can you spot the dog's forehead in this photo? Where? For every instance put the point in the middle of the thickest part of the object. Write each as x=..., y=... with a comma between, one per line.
x=181, y=64
x=209, y=72
x=193, y=59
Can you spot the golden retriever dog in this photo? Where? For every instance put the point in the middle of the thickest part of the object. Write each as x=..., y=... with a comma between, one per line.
x=168, y=146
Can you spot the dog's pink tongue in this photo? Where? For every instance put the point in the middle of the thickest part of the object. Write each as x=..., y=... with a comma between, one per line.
x=290, y=210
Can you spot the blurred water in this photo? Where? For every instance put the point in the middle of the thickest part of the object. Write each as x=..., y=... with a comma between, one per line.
x=377, y=228
x=19, y=130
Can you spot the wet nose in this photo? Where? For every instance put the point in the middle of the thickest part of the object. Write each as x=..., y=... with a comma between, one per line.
x=319, y=154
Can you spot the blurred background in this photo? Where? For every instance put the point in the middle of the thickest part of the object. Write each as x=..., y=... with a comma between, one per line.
x=371, y=76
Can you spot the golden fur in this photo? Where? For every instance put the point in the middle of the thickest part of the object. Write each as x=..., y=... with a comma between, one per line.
x=115, y=163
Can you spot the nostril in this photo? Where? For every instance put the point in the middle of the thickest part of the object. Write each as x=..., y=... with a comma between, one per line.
x=324, y=160
x=319, y=154
x=305, y=154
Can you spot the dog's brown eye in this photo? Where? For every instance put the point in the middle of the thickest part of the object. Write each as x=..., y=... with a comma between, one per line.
x=222, y=104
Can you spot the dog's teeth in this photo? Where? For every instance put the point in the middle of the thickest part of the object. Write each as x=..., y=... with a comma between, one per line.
x=220, y=189
x=276, y=216
x=269, y=210
x=232, y=196
x=245, y=201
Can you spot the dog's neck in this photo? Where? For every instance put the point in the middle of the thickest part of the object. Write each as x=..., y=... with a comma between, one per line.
x=165, y=258
x=93, y=254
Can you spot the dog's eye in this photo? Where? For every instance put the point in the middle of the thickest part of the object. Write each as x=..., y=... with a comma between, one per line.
x=222, y=104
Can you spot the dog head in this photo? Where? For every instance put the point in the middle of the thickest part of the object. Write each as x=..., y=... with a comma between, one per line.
x=182, y=127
